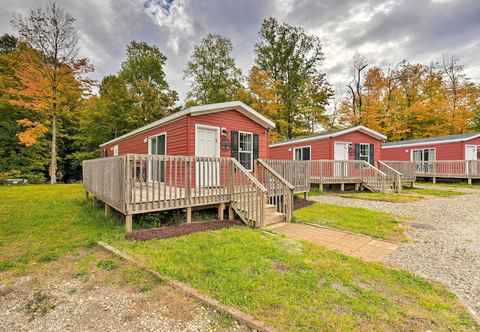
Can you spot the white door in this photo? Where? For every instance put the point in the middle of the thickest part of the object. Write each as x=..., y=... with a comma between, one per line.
x=341, y=154
x=471, y=154
x=157, y=145
x=207, y=145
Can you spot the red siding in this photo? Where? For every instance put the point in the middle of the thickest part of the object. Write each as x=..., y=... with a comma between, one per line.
x=176, y=135
x=324, y=148
x=230, y=120
x=181, y=134
x=447, y=151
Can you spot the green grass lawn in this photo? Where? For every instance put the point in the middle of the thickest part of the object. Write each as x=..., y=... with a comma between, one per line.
x=383, y=197
x=435, y=192
x=39, y=223
x=296, y=286
x=357, y=220
x=291, y=285
x=460, y=184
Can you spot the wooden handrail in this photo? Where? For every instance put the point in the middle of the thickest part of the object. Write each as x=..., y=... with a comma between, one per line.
x=396, y=175
x=280, y=178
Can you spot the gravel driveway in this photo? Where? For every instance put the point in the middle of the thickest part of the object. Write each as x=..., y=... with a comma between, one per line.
x=59, y=298
x=446, y=240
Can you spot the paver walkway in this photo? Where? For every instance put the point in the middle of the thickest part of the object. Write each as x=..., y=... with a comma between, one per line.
x=361, y=246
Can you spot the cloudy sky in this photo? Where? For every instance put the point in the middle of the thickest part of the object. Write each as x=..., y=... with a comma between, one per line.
x=384, y=31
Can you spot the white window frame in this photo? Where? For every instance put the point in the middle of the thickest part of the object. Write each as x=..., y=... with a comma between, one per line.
x=115, y=150
x=251, y=150
x=477, y=150
x=301, y=149
x=423, y=149
x=368, y=152
x=149, y=140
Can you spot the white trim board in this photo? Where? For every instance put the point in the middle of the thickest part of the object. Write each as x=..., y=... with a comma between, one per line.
x=363, y=129
x=200, y=110
x=446, y=141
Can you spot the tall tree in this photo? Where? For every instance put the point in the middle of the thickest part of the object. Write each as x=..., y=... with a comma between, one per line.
x=144, y=76
x=293, y=61
x=359, y=64
x=212, y=70
x=51, y=33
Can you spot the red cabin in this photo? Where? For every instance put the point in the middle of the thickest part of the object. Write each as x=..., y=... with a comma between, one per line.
x=355, y=143
x=216, y=130
x=453, y=147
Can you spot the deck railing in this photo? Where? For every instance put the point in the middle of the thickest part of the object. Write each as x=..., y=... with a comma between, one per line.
x=248, y=195
x=406, y=168
x=392, y=175
x=296, y=172
x=438, y=168
x=279, y=191
x=106, y=177
x=136, y=183
x=373, y=178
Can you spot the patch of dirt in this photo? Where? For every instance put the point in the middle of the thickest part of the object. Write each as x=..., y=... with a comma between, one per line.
x=175, y=231
x=299, y=203
x=280, y=267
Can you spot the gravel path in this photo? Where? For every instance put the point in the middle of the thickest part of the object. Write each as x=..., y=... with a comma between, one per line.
x=446, y=240
x=54, y=300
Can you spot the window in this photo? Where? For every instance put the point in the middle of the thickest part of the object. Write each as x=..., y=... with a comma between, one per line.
x=157, y=145
x=245, y=149
x=115, y=150
x=422, y=157
x=302, y=153
x=364, y=152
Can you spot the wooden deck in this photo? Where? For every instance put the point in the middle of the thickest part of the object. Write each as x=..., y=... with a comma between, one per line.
x=445, y=169
x=134, y=184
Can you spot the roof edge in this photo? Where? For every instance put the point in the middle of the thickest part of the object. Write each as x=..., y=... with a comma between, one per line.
x=444, y=141
x=364, y=129
x=194, y=110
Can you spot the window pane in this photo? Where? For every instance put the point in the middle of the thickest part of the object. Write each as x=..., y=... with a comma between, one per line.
x=246, y=159
x=153, y=145
x=306, y=153
x=246, y=142
x=161, y=144
x=298, y=154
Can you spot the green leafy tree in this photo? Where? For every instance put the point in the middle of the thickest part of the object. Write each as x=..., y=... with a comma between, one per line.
x=214, y=76
x=292, y=59
x=144, y=76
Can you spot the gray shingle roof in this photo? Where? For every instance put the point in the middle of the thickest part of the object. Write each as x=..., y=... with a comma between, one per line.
x=459, y=137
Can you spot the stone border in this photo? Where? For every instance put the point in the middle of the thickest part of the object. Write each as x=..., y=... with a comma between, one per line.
x=240, y=316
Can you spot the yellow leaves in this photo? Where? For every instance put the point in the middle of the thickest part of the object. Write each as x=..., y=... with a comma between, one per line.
x=33, y=130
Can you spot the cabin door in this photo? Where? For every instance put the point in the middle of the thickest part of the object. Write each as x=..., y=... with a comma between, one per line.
x=207, y=144
x=471, y=153
x=341, y=156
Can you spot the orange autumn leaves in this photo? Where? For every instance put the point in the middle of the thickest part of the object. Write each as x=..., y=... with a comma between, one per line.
x=413, y=101
x=29, y=85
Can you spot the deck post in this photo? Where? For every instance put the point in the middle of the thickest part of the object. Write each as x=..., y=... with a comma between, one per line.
x=470, y=181
x=221, y=208
x=342, y=186
x=129, y=223
x=320, y=187
x=230, y=212
x=434, y=180
x=108, y=210
x=305, y=196
x=189, y=215
x=357, y=186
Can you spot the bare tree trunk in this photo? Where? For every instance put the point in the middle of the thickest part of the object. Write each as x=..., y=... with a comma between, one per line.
x=53, y=163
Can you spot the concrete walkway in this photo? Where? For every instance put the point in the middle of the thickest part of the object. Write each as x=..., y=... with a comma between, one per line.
x=361, y=246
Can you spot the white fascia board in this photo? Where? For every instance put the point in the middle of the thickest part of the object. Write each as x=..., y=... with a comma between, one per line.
x=364, y=129
x=400, y=145
x=198, y=110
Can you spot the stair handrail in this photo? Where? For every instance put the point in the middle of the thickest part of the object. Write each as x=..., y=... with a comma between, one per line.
x=249, y=205
x=380, y=176
x=279, y=193
x=274, y=172
x=397, y=176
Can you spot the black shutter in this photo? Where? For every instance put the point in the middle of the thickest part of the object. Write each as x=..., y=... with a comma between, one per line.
x=234, y=144
x=255, y=147
x=357, y=151
x=372, y=154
